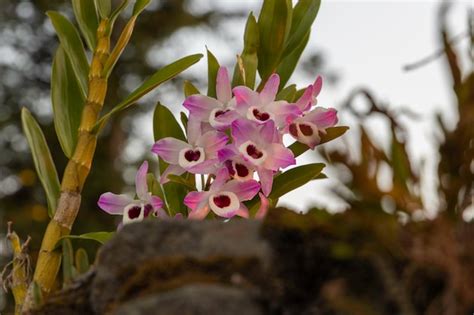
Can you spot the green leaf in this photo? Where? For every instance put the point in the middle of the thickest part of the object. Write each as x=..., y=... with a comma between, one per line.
x=304, y=14
x=72, y=44
x=288, y=64
x=67, y=101
x=37, y=294
x=274, y=25
x=184, y=120
x=182, y=181
x=249, y=56
x=117, y=12
x=164, y=74
x=294, y=178
x=331, y=133
x=122, y=42
x=287, y=94
x=139, y=6
x=44, y=164
x=69, y=271
x=82, y=261
x=86, y=17
x=165, y=125
x=101, y=237
x=103, y=7
x=190, y=89
x=212, y=69
x=154, y=186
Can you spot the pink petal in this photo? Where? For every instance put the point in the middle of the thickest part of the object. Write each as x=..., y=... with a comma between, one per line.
x=201, y=106
x=245, y=190
x=194, y=198
x=221, y=177
x=156, y=202
x=223, y=88
x=305, y=101
x=227, y=153
x=266, y=180
x=270, y=89
x=282, y=111
x=243, y=211
x=112, y=203
x=264, y=205
x=322, y=117
x=244, y=95
x=267, y=133
x=171, y=170
x=141, y=185
x=317, y=86
x=242, y=131
x=280, y=157
x=212, y=142
x=226, y=119
x=168, y=149
x=205, y=167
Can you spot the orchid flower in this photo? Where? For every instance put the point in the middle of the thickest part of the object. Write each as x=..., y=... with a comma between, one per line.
x=262, y=107
x=220, y=112
x=197, y=156
x=260, y=145
x=133, y=209
x=224, y=197
x=307, y=127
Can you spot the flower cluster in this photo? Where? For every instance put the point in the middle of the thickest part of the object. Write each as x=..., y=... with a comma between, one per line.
x=231, y=139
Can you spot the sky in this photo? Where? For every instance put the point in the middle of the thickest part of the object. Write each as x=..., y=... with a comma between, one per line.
x=367, y=43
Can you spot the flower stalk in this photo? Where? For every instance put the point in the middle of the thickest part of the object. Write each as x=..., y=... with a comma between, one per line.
x=76, y=172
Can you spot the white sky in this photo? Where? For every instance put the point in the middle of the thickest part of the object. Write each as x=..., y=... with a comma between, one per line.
x=367, y=43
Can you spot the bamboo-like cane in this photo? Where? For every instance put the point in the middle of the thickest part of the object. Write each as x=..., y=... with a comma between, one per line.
x=75, y=174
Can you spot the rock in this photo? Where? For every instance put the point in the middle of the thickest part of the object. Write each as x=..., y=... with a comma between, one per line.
x=195, y=300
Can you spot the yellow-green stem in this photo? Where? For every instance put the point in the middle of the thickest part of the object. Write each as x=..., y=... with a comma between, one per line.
x=75, y=174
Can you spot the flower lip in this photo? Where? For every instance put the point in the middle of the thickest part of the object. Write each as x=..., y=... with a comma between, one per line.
x=189, y=157
x=215, y=113
x=252, y=152
x=239, y=171
x=257, y=115
x=224, y=203
x=133, y=212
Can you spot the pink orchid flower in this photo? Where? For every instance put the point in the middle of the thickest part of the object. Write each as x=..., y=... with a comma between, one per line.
x=197, y=156
x=133, y=209
x=224, y=197
x=262, y=107
x=260, y=145
x=220, y=112
x=307, y=127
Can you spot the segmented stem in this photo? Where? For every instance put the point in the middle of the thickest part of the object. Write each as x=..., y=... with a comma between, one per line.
x=75, y=174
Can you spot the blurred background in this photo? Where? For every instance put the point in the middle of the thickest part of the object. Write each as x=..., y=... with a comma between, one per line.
x=384, y=69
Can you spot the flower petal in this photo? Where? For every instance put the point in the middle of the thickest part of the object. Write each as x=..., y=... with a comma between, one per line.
x=205, y=167
x=156, y=202
x=266, y=180
x=322, y=117
x=168, y=149
x=245, y=190
x=223, y=88
x=200, y=105
x=171, y=170
x=112, y=203
x=242, y=131
x=305, y=101
x=243, y=211
x=317, y=86
x=197, y=201
x=246, y=96
x=280, y=157
x=221, y=177
x=270, y=89
x=212, y=142
x=141, y=185
x=264, y=205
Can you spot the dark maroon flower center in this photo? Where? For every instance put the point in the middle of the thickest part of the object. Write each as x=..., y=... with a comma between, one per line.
x=148, y=209
x=221, y=201
x=294, y=130
x=306, y=130
x=134, y=212
x=192, y=156
x=254, y=152
x=220, y=112
x=241, y=169
x=262, y=116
